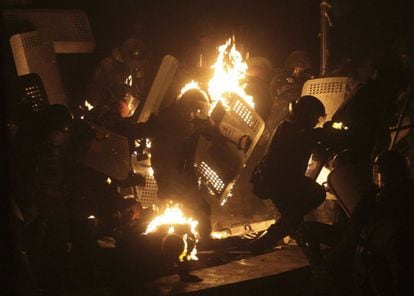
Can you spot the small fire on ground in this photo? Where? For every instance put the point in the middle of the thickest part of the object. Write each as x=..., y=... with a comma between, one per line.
x=173, y=222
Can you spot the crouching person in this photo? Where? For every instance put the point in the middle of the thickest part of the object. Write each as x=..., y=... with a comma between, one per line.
x=283, y=171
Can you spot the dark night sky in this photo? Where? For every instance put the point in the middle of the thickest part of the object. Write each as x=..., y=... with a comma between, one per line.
x=275, y=27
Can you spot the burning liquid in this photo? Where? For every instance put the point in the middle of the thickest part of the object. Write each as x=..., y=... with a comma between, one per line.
x=230, y=71
x=191, y=85
x=173, y=221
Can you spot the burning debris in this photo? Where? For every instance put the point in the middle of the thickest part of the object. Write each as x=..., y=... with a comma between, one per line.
x=176, y=229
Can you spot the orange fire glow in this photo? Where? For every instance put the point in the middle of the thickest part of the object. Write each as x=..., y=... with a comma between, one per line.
x=230, y=71
x=171, y=218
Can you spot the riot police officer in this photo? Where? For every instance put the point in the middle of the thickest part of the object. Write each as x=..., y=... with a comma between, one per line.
x=283, y=169
x=127, y=64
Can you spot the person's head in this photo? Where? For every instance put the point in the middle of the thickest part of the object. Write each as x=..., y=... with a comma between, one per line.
x=259, y=67
x=308, y=111
x=172, y=247
x=298, y=62
x=133, y=49
x=131, y=211
x=56, y=124
x=125, y=102
x=390, y=169
x=193, y=103
x=134, y=56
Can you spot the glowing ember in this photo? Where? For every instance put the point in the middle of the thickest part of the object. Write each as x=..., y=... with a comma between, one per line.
x=88, y=105
x=229, y=74
x=339, y=126
x=172, y=218
x=128, y=80
x=191, y=85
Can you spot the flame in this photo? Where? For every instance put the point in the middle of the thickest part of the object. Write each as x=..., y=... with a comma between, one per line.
x=88, y=105
x=172, y=217
x=219, y=235
x=108, y=181
x=230, y=71
x=191, y=85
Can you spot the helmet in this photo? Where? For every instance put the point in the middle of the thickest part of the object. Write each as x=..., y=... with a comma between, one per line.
x=298, y=58
x=172, y=246
x=125, y=94
x=307, y=109
x=195, y=101
x=390, y=167
x=133, y=49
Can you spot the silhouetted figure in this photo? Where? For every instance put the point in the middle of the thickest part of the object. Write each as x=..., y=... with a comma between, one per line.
x=284, y=167
x=384, y=258
x=42, y=193
x=370, y=112
x=286, y=85
x=127, y=64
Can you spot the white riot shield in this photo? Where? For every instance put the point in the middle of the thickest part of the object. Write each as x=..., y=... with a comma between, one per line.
x=108, y=154
x=147, y=194
x=34, y=54
x=162, y=81
x=347, y=183
x=332, y=91
x=219, y=163
x=69, y=31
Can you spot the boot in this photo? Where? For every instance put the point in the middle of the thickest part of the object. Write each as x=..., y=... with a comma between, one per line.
x=268, y=240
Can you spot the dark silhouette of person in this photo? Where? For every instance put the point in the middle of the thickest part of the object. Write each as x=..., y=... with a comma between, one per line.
x=284, y=167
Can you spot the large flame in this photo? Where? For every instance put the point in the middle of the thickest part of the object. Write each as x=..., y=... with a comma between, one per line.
x=171, y=218
x=230, y=71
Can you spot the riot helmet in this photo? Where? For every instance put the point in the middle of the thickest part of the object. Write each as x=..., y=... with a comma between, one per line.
x=308, y=110
x=133, y=49
x=297, y=62
x=390, y=168
x=195, y=102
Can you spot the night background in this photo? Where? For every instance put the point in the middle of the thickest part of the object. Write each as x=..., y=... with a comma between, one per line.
x=272, y=29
